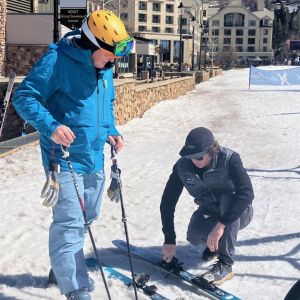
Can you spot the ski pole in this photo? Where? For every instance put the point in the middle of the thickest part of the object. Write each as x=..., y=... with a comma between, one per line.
x=124, y=218
x=66, y=155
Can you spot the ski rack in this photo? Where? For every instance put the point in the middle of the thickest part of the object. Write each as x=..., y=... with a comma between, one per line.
x=4, y=106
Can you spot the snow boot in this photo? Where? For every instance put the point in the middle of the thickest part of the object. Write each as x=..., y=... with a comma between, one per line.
x=209, y=255
x=218, y=273
x=81, y=294
x=52, y=280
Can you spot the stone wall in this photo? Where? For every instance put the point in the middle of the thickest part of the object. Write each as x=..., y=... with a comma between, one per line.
x=20, y=59
x=2, y=36
x=132, y=100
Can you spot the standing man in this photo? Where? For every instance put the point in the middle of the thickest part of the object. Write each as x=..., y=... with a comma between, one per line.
x=68, y=97
x=215, y=177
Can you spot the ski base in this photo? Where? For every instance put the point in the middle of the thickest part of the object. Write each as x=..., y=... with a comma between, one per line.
x=208, y=289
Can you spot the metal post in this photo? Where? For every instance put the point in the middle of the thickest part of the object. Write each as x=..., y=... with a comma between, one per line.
x=205, y=49
x=199, y=68
x=180, y=7
x=55, y=22
x=193, y=41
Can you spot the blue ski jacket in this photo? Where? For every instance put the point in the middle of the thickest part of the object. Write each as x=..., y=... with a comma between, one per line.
x=64, y=88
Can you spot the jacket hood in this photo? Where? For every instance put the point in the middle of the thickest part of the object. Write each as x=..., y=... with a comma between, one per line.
x=66, y=46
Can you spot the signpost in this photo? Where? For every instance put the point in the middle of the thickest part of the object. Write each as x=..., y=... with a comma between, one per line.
x=72, y=13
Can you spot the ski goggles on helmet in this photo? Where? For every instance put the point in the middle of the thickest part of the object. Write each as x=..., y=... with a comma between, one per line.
x=119, y=49
x=123, y=48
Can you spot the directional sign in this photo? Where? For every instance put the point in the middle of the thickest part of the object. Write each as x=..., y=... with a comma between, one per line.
x=72, y=13
x=72, y=17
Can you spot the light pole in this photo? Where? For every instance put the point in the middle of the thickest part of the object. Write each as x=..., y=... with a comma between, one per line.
x=55, y=22
x=193, y=20
x=201, y=30
x=181, y=11
x=205, y=47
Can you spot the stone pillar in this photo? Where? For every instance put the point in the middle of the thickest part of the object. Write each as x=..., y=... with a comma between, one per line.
x=3, y=6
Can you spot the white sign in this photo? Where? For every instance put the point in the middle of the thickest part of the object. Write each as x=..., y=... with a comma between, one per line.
x=72, y=3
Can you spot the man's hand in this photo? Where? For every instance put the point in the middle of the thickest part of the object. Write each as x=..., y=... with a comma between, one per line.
x=63, y=135
x=169, y=251
x=214, y=237
x=117, y=141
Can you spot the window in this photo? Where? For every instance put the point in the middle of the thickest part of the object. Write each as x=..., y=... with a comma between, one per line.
x=169, y=20
x=251, y=49
x=215, y=32
x=142, y=18
x=156, y=6
x=265, y=49
x=234, y=19
x=228, y=20
x=142, y=5
x=169, y=8
x=239, y=48
x=227, y=41
x=266, y=31
x=239, y=41
x=251, y=32
x=204, y=13
x=239, y=32
x=252, y=23
x=176, y=56
x=265, y=40
x=156, y=29
x=156, y=18
x=266, y=21
x=169, y=30
x=184, y=21
x=251, y=41
x=184, y=31
x=215, y=23
x=142, y=28
x=124, y=16
x=226, y=48
x=165, y=50
x=227, y=31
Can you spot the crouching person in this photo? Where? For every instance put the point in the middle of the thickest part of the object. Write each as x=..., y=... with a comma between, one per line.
x=215, y=177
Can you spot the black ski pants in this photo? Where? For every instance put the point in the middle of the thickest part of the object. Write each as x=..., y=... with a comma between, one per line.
x=201, y=225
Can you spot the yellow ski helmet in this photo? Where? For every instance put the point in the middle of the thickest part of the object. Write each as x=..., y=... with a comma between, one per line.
x=105, y=30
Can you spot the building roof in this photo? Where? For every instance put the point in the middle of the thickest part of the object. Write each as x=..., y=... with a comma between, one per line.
x=264, y=13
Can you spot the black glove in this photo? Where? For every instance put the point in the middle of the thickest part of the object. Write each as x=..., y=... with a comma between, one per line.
x=113, y=191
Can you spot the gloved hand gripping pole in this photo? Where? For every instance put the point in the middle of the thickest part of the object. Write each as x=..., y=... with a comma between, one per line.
x=66, y=155
x=124, y=218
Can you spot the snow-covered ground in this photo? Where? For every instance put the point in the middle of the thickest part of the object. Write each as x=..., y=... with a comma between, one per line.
x=261, y=124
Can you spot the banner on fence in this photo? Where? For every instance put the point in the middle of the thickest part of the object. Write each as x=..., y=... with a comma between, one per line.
x=283, y=77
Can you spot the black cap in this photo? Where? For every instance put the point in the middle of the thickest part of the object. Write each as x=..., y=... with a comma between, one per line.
x=198, y=141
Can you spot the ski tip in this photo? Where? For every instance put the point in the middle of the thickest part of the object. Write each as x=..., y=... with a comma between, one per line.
x=118, y=243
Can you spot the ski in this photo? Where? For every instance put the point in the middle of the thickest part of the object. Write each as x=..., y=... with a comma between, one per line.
x=140, y=279
x=5, y=103
x=208, y=289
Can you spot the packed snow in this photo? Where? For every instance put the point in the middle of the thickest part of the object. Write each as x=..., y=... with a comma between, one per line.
x=262, y=124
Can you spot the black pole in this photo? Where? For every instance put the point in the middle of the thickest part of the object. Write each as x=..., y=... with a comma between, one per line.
x=193, y=48
x=199, y=68
x=205, y=46
x=55, y=22
x=180, y=44
x=124, y=218
x=87, y=224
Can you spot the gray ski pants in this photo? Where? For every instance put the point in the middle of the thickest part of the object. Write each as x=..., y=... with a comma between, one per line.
x=200, y=226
